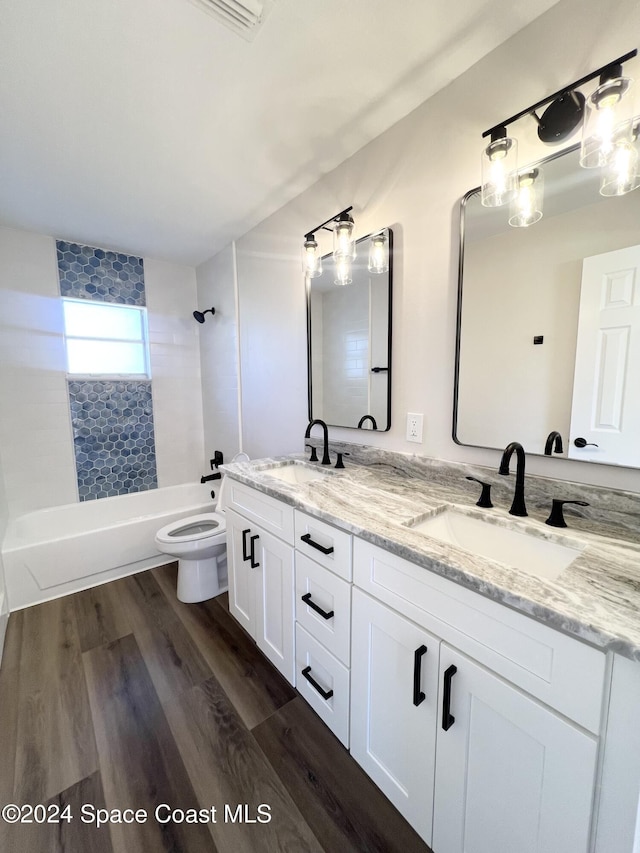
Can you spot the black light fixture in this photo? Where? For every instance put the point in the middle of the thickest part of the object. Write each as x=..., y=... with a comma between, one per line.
x=610, y=138
x=344, y=250
x=199, y=315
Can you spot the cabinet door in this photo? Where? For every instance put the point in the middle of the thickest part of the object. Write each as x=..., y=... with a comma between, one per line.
x=242, y=584
x=275, y=605
x=511, y=775
x=394, y=678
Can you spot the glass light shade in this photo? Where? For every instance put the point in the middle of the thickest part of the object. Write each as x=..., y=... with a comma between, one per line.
x=311, y=258
x=344, y=246
x=526, y=206
x=607, y=109
x=343, y=271
x=378, y=254
x=621, y=173
x=499, y=172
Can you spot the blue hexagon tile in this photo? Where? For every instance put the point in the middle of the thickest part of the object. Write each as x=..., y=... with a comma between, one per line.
x=88, y=273
x=113, y=437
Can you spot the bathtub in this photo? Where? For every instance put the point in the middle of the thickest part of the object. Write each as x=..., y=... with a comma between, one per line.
x=53, y=552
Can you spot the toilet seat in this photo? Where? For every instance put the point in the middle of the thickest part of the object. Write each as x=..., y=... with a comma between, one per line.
x=193, y=528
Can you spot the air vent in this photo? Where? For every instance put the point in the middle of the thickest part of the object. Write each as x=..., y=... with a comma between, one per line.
x=244, y=17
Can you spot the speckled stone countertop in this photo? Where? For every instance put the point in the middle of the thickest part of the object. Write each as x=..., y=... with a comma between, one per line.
x=596, y=599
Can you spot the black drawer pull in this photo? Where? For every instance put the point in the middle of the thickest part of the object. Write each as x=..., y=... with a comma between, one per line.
x=245, y=555
x=307, y=600
x=447, y=717
x=326, y=694
x=307, y=538
x=252, y=555
x=418, y=695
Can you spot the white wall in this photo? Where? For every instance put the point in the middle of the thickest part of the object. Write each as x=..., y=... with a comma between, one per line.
x=411, y=178
x=36, y=441
x=218, y=355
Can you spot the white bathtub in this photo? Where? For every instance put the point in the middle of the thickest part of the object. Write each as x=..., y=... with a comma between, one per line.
x=63, y=549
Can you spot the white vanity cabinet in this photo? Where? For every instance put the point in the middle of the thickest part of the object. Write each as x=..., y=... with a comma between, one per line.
x=394, y=702
x=261, y=572
x=480, y=764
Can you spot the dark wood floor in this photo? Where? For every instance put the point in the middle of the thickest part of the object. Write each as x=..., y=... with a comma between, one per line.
x=121, y=697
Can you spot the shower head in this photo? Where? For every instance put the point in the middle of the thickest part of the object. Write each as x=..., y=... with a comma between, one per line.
x=199, y=315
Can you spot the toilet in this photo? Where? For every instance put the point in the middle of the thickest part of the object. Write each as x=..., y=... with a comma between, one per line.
x=200, y=544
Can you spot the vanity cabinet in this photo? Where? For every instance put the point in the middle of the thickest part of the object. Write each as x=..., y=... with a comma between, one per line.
x=477, y=763
x=394, y=702
x=261, y=573
x=510, y=773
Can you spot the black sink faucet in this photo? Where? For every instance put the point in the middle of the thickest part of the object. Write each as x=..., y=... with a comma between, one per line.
x=517, y=507
x=325, y=434
x=554, y=442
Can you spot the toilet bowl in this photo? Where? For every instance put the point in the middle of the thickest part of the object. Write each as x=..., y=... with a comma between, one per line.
x=200, y=544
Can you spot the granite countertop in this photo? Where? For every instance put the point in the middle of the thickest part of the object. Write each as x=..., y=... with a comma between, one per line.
x=596, y=599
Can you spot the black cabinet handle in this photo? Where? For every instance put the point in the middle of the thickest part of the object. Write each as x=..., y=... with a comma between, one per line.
x=245, y=555
x=447, y=717
x=307, y=538
x=307, y=600
x=252, y=555
x=418, y=695
x=326, y=694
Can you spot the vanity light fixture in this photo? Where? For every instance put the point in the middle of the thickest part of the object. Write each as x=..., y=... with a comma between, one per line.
x=608, y=137
x=344, y=247
x=378, y=254
x=526, y=206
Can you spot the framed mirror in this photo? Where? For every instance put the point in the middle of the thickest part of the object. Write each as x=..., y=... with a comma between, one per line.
x=548, y=335
x=349, y=342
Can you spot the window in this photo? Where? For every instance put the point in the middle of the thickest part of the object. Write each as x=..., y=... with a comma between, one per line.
x=105, y=338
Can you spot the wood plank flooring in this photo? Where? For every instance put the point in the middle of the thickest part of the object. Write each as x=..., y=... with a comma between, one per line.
x=121, y=697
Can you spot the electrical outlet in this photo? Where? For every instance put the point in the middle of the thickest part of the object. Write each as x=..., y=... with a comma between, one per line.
x=414, y=427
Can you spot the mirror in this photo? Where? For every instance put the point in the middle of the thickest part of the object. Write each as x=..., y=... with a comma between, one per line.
x=349, y=343
x=548, y=334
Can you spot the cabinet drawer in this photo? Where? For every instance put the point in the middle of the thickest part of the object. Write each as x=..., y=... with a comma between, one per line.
x=560, y=671
x=314, y=662
x=331, y=595
x=271, y=514
x=323, y=543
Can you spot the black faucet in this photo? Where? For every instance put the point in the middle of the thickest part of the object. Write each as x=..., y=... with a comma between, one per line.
x=364, y=418
x=554, y=442
x=518, y=506
x=325, y=433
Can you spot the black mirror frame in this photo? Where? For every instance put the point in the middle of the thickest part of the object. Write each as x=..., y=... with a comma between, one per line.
x=389, y=336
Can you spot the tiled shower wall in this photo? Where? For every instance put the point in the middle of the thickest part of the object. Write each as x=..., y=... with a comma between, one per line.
x=37, y=452
x=112, y=421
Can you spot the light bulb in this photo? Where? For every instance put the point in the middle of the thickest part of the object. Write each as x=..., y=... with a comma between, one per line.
x=526, y=207
x=606, y=111
x=378, y=254
x=621, y=173
x=343, y=243
x=499, y=162
x=311, y=260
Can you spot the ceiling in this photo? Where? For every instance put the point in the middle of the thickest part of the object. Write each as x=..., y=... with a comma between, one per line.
x=148, y=126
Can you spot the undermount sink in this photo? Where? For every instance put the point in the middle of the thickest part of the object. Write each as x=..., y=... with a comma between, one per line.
x=296, y=473
x=519, y=549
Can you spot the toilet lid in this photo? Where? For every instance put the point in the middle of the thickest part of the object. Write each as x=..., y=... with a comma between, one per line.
x=192, y=528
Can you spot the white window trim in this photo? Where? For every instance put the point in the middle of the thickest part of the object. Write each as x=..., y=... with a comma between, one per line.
x=116, y=377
